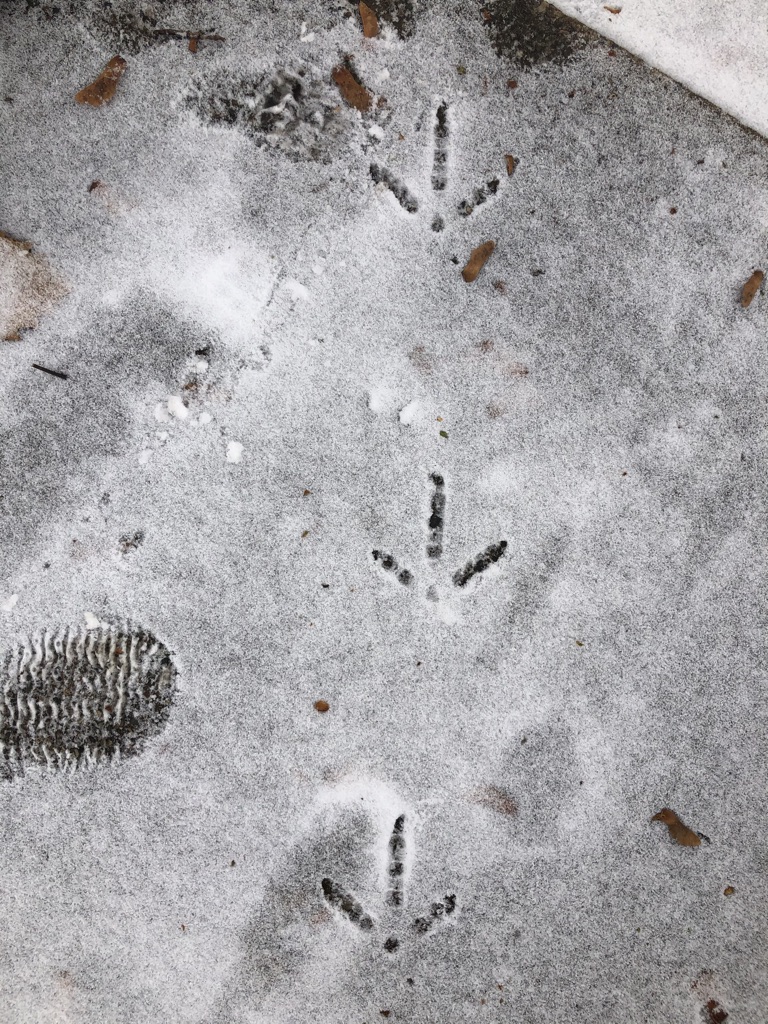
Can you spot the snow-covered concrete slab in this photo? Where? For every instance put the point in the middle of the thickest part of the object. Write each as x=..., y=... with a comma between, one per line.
x=720, y=50
x=368, y=626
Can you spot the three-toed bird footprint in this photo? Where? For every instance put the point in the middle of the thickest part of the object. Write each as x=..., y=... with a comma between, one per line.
x=392, y=921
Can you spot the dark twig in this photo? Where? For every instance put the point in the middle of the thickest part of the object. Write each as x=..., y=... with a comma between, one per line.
x=53, y=373
x=182, y=34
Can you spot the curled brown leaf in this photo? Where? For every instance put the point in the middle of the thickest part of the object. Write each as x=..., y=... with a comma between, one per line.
x=29, y=288
x=369, y=20
x=678, y=832
x=352, y=91
x=477, y=260
x=751, y=288
x=102, y=89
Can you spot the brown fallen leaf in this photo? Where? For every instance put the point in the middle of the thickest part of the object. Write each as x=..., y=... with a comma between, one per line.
x=477, y=260
x=497, y=799
x=679, y=832
x=613, y=10
x=512, y=163
x=28, y=287
x=728, y=890
x=194, y=43
x=352, y=92
x=102, y=89
x=369, y=20
x=714, y=1013
x=322, y=706
x=751, y=288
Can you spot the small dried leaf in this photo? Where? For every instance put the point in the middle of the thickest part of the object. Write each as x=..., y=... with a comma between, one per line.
x=443, y=433
x=193, y=44
x=102, y=89
x=28, y=287
x=322, y=706
x=305, y=534
x=714, y=1013
x=728, y=890
x=679, y=832
x=307, y=492
x=352, y=92
x=512, y=163
x=477, y=260
x=751, y=288
x=613, y=10
x=369, y=20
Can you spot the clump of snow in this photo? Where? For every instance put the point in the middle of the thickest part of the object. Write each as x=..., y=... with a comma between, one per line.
x=10, y=603
x=296, y=289
x=176, y=408
x=234, y=451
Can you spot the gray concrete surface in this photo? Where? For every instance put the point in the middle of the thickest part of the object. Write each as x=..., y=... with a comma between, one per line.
x=465, y=834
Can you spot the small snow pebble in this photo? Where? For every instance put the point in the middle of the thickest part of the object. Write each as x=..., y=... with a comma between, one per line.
x=376, y=132
x=408, y=412
x=234, y=451
x=377, y=401
x=161, y=413
x=177, y=408
x=382, y=75
x=145, y=456
x=297, y=290
x=10, y=604
x=91, y=620
x=317, y=269
x=162, y=435
x=201, y=366
x=204, y=417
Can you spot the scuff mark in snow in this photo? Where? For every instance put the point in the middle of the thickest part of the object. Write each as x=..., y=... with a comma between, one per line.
x=408, y=413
